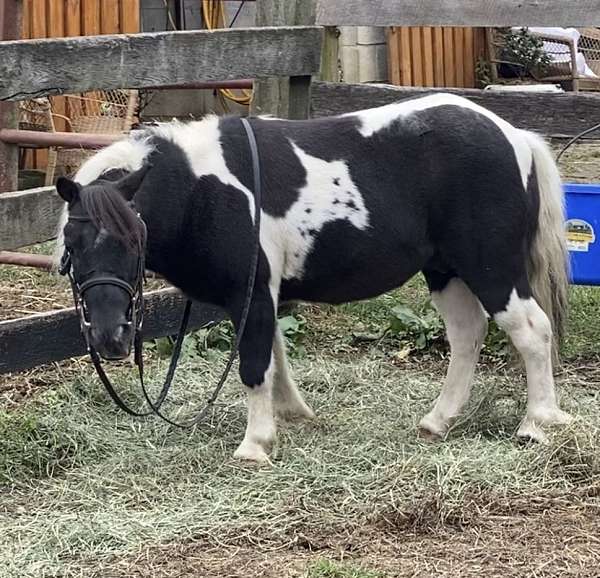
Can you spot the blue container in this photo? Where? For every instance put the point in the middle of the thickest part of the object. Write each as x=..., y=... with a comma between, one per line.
x=583, y=229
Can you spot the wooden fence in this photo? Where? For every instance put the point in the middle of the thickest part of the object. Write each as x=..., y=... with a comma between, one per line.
x=58, y=18
x=44, y=67
x=426, y=56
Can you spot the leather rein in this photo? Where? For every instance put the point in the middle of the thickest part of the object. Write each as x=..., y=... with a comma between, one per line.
x=136, y=311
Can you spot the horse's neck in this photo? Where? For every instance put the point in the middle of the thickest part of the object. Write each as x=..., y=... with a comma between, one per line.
x=166, y=208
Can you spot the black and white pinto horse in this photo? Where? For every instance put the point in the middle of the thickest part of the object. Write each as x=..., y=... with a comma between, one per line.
x=353, y=206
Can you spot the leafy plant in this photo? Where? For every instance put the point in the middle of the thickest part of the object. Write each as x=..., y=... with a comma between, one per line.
x=420, y=329
x=526, y=51
x=293, y=327
x=497, y=343
x=198, y=343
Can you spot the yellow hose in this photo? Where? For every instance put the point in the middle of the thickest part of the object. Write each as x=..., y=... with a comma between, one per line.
x=213, y=13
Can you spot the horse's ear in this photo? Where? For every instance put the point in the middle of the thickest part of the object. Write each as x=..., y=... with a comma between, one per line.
x=67, y=189
x=129, y=184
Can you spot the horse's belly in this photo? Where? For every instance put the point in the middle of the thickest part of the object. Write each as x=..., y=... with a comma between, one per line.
x=354, y=272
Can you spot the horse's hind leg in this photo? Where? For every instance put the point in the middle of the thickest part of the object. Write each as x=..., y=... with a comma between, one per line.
x=286, y=397
x=530, y=331
x=466, y=327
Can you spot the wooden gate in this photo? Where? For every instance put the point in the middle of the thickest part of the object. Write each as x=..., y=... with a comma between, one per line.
x=426, y=56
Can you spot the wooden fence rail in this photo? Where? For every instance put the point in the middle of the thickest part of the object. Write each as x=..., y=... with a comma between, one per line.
x=492, y=13
x=29, y=217
x=71, y=65
x=553, y=115
x=53, y=336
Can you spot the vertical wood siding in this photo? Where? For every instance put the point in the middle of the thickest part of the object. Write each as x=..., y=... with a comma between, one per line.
x=425, y=56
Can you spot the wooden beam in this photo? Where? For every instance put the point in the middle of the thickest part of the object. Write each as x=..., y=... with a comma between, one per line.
x=494, y=13
x=564, y=114
x=330, y=55
x=70, y=65
x=53, y=336
x=29, y=217
x=275, y=95
x=10, y=29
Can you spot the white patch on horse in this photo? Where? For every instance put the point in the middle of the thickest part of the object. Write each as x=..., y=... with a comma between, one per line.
x=101, y=237
x=201, y=142
x=128, y=155
x=375, y=119
x=531, y=332
x=329, y=194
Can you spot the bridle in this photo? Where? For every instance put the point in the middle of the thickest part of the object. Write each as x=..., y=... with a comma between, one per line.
x=135, y=316
x=135, y=290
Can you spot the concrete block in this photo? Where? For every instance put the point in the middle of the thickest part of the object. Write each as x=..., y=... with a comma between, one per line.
x=367, y=63
x=370, y=35
x=348, y=35
x=381, y=62
x=349, y=63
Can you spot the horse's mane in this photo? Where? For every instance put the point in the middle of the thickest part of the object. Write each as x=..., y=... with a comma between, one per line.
x=108, y=210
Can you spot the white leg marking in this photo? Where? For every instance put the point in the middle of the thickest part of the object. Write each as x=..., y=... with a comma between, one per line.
x=287, y=399
x=466, y=327
x=260, y=430
x=529, y=329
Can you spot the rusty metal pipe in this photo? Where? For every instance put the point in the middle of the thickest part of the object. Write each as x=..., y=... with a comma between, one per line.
x=51, y=139
x=41, y=262
x=231, y=84
x=26, y=260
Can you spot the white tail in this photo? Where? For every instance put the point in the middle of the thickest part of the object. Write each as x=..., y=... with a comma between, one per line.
x=548, y=260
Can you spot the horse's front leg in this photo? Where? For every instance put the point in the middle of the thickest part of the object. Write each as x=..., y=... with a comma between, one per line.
x=257, y=372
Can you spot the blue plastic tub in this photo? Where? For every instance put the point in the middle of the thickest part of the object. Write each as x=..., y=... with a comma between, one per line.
x=583, y=227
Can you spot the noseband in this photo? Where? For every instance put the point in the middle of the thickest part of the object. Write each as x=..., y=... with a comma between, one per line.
x=136, y=310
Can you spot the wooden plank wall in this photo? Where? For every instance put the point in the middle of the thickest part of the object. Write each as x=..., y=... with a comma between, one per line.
x=434, y=56
x=61, y=18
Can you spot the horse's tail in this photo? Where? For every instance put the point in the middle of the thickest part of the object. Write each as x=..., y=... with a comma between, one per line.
x=548, y=268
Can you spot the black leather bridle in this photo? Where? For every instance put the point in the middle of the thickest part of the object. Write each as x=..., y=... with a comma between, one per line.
x=136, y=310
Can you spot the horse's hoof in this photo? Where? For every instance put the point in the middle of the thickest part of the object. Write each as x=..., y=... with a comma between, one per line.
x=296, y=413
x=530, y=431
x=251, y=452
x=430, y=430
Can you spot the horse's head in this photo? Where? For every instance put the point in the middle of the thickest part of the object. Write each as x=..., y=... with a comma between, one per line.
x=104, y=240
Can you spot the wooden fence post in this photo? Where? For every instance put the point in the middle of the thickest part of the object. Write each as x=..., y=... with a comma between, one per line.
x=10, y=27
x=283, y=97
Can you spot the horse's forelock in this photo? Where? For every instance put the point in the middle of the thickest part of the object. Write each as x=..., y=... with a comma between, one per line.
x=108, y=210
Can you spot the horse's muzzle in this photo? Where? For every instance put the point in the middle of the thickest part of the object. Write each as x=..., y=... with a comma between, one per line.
x=112, y=345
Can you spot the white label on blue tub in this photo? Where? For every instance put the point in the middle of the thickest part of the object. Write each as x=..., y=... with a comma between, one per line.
x=580, y=235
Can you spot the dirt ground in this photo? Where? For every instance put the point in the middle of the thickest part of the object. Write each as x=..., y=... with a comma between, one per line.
x=555, y=542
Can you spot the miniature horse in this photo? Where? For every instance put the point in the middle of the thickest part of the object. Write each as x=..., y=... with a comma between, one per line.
x=353, y=206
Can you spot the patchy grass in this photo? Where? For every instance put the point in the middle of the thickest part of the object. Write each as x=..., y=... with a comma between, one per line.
x=328, y=569
x=87, y=490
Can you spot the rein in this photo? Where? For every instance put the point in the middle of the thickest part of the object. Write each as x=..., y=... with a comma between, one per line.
x=136, y=312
